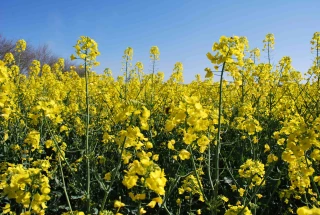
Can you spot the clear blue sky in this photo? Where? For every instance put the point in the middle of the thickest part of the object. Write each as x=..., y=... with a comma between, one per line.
x=183, y=30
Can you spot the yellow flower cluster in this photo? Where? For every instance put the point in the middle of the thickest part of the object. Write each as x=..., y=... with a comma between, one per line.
x=29, y=187
x=3, y=84
x=254, y=171
x=234, y=210
x=34, y=68
x=307, y=211
x=128, y=53
x=268, y=41
x=297, y=137
x=315, y=41
x=21, y=45
x=191, y=185
x=142, y=143
x=33, y=140
x=8, y=59
x=152, y=176
x=154, y=53
x=226, y=49
x=248, y=124
x=86, y=49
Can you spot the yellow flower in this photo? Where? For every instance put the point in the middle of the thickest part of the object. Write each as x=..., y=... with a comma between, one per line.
x=304, y=211
x=6, y=209
x=9, y=58
x=72, y=57
x=130, y=181
x=171, y=144
x=139, y=66
x=21, y=45
x=34, y=68
x=184, y=154
x=236, y=210
x=142, y=211
x=211, y=58
x=155, y=157
x=241, y=191
x=189, y=137
x=209, y=73
x=234, y=187
x=268, y=42
x=149, y=145
x=49, y=143
x=255, y=53
x=107, y=176
x=259, y=196
x=271, y=158
x=252, y=169
x=203, y=142
x=170, y=124
x=152, y=204
x=118, y=204
x=137, y=197
x=64, y=128
x=157, y=181
x=224, y=198
x=87, y=49
x=154, y=53
x=33, y=139
x=128, y=53
x=178, y=201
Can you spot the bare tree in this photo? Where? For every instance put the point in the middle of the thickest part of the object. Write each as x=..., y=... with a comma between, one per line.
x=42, y=53
x=6, y=46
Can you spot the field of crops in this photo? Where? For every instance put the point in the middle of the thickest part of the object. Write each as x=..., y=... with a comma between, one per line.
x=140, y=144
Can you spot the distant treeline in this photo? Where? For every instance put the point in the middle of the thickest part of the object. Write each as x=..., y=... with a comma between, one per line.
x=42, y=53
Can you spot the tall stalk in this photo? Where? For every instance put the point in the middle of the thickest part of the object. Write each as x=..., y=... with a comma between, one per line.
x=126, y=81
x=87, y=136
x=269, y=60
x=152, y=79
x=216, y=190
x=318, y=79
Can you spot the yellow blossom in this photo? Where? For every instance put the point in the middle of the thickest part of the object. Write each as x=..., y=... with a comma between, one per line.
x=184, y=154
x=118, y=204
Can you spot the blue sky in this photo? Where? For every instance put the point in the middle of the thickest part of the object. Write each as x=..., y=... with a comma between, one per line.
x=184, y=31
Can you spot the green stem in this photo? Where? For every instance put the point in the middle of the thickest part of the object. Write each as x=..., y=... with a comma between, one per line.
x=318, y=81
x=64, y=185
x=113, y=177
x=126, y=81
x=153, y=67
x=87, y=137
x=209, y=167
x=197, y=175
x=274, y=191
x=269, y=52
x=60, y=152
x=60, y=165
x=216, y=190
